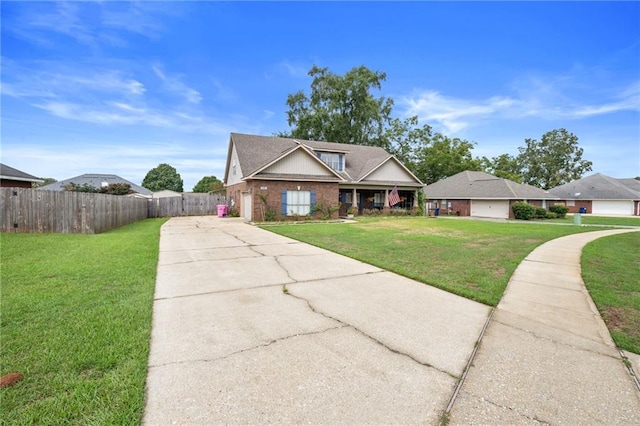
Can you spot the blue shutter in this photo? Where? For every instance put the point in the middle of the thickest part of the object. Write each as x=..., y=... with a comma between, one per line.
x=284, y=203
x=313, y=201
x=341, y=161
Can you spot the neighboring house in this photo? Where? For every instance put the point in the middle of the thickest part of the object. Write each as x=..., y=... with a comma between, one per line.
x=166, y=193
x=480, y=194
x=14, y=178
x=601, y=194
x=97, y=181
x=273, y=177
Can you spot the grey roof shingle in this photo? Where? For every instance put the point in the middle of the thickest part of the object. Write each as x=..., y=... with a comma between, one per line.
x=7, y=172
x=254, y=152
x=599, y=187
x=96, y=181
x=480, y=185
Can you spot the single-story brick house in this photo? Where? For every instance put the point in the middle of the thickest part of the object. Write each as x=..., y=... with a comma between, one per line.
x=270, y=177
x=96, y=180
x=14, y=178
x=601, y=194
x=480, y=194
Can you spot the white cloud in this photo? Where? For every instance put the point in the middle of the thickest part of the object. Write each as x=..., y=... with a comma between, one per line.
x=542, y=99
x=174, y=84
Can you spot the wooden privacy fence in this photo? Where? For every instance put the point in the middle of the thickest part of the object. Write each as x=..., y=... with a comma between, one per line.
x=32, y=210
x=186, y=205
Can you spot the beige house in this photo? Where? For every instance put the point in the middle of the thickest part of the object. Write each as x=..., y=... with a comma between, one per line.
x=277, y=178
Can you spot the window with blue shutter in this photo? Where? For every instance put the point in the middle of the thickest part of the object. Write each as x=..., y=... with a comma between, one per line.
x=297, y=203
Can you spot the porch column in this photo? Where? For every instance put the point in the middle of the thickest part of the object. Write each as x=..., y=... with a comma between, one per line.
x=354, y=198
x=415, y=199
x=386, y=198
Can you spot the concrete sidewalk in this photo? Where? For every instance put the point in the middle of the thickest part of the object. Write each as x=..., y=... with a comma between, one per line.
x=252, y=328
x=547, y=356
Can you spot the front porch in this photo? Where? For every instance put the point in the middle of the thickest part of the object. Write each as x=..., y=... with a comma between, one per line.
x=375, y=199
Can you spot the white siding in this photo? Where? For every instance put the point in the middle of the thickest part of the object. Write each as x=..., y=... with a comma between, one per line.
x=390, y=172
x=298, y=163
x=618, y=207
x=231, y=177
x=490, y=208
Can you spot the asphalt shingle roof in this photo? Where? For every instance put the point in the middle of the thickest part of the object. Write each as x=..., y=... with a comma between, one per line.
x=95, y=180
x=7, y=172
x=480, y=185
x=254, y=152
x=599, y=187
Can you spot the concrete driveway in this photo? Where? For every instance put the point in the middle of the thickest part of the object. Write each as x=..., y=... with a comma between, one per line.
x=250, y=328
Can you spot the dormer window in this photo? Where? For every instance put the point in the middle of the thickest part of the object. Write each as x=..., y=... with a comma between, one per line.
x=333, y=160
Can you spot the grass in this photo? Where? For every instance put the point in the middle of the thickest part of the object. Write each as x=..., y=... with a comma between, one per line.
x=587, y=219
x=76, y=321
x=473, y=259
x=611, y=272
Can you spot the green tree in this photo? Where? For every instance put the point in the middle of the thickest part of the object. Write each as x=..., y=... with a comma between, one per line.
x=554, y=160
x=341, y=108
x=442, y=156
x=208, y=184
x=503, y=166
x=163, y=177
x=116, y=189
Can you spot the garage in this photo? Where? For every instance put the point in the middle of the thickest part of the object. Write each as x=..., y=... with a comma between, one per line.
x=490, y=208
x=617, y=207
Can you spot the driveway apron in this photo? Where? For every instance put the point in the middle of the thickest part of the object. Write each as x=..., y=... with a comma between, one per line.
x=250, y=327
x=547, y=357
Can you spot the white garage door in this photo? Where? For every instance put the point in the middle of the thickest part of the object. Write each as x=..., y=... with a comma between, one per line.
x=612, y=207
x=490, y=208
x=246, y=206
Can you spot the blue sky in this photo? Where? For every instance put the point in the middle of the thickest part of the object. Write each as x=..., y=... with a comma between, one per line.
x=118, y=87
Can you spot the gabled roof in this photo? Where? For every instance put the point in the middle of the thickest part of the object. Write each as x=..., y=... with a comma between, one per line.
x=480, y=185
x=96, y=181
x=255, y=153
x=599, y=187
x=9, y=173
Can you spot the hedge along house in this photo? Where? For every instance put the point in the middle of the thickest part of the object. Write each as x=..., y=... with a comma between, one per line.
x=480, y=194
x=601, y=194
x=271, y=178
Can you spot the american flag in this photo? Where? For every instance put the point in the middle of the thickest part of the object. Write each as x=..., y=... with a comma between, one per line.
x=394, y=198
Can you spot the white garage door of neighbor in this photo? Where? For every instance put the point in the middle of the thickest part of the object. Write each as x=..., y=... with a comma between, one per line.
x=490, y=208
x=612, y=207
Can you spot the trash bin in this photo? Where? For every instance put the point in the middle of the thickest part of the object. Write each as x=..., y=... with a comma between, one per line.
x=437, y=212
x=222, y=210
x=583, y=210
x=577, y=219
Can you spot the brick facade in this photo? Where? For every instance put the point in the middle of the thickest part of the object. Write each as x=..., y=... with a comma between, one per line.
x=8, y=183
x=266, y=196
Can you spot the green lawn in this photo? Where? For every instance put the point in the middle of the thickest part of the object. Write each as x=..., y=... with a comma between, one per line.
x=587, y=219
x=470, y=258
x=76, y=321
x=611, y=272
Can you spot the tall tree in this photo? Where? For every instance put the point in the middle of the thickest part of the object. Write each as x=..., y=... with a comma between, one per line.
x=163, y=177
x=554, y=160
x=443, y=156
x=208, y=184
x=341, y=108
x=503, y=166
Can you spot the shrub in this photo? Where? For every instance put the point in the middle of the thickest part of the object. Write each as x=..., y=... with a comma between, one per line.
x=552, y=215
x=523, y=211
x=560, y=210
x=541, y=213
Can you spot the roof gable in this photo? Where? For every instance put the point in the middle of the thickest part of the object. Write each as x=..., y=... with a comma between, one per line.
x=481, y=185
x=391, y=170
x=256, y=153
x=299, y=162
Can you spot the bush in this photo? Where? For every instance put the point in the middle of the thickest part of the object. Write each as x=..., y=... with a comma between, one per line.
x=552, y=215
x=541, y=213
x=560, y=210
x=523, y=211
